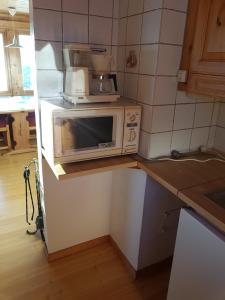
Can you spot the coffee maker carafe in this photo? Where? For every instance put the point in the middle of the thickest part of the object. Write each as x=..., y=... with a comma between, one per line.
x=88, y=77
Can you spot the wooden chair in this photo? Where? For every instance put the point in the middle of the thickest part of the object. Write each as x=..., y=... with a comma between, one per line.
x=32, y=129
x=5, y=141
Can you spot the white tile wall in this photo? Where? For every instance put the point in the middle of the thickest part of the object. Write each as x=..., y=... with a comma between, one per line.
x=203, y=114
x=212, y=135
x=146, y=123
x=168, y=59
x=48, y=25
x=123, y=9
x=49, y=83
x=75, y=28
x=184, y=116
x=152, y=4
x=121, y=58
x=162, y=118
x=183, y=98
x=50, y=4
x=220, y=139
x=78, y=6
x=135, y=7
x=167, y=113
x=181, y=140
x=64, y=21
x=116, y=7
x=221, y=118
x=148, y=59
x=101, y=8
x=165, y=90
x=122, y=31
x=199, y=138
x=172, y=28
x=176, y=4
x=220, y=129
x=131, y=85
x=151, y=27
x=134, y=30
x=115, y=32
x=146, y=89
x=49, y=55
x=100, y=30
x=154, y=30
x=159, y=144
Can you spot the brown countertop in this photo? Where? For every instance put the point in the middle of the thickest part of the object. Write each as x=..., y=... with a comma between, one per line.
x=177, y=176
x=189, y=180
x=196, y=198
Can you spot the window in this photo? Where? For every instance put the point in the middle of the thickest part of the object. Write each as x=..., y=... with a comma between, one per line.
x=3, y=71
x=16, y=63
x=26, y=61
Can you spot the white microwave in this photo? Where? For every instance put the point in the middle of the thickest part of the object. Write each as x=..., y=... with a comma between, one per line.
x=88, y=131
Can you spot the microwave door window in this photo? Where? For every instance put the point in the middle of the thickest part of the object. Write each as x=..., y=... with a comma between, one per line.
x=87, y=133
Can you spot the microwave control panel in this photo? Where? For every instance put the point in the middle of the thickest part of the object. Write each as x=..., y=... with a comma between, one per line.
x=131, y=129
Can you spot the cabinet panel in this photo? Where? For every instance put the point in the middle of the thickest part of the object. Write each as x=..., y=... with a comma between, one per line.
x=159, y=225
x=207, y=85
x=198, y=269
x=204, y=48
x=208, y=55
x=214, y=48
x=128, y=191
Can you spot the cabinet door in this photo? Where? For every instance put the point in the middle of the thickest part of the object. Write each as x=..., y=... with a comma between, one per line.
x=198, y=271
x=207, y=69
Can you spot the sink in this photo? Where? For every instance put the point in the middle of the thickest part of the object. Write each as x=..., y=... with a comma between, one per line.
x=218, y=197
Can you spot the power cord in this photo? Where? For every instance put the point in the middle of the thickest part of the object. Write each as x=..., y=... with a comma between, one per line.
x=182, y=157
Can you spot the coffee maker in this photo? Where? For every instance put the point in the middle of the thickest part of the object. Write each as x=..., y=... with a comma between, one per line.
x=88, y=77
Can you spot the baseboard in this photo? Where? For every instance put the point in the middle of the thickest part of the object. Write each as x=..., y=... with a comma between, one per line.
x=155, y=268
x=135, y=274
x=77, y=248
x=129, y=267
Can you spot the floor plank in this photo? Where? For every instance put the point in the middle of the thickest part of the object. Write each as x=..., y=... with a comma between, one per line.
x=25, y=274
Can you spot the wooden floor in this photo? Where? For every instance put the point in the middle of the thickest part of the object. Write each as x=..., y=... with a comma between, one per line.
x=25, y=273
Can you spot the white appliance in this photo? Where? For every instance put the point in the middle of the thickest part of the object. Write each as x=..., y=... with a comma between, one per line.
x=88, y=131
x=198, y=270
x=88, y=78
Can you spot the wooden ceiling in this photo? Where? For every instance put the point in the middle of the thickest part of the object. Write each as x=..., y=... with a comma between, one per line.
x=22, y=6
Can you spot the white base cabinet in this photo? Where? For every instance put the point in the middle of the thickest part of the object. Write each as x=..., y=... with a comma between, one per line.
x=159, y=224
x=144, y=218
x=198, y=270
x=128, y=192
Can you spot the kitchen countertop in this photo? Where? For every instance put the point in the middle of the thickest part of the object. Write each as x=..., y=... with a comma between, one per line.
x=196, y=197
x=188, y=180
x=177, y=176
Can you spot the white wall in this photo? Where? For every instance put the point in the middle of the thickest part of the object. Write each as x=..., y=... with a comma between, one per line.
x=61, y=22
x=128, y=192
x=56, y=23
x=171, y=119
x=77, y=210
x=220, y=129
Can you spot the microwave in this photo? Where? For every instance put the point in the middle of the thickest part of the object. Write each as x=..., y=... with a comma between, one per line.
x=76, y=132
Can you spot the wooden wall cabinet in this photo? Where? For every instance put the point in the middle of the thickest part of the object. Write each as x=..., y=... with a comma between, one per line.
x=204, y=48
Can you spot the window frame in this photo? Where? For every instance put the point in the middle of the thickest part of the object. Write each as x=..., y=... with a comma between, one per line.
x=7, y=66
x=9, y=28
